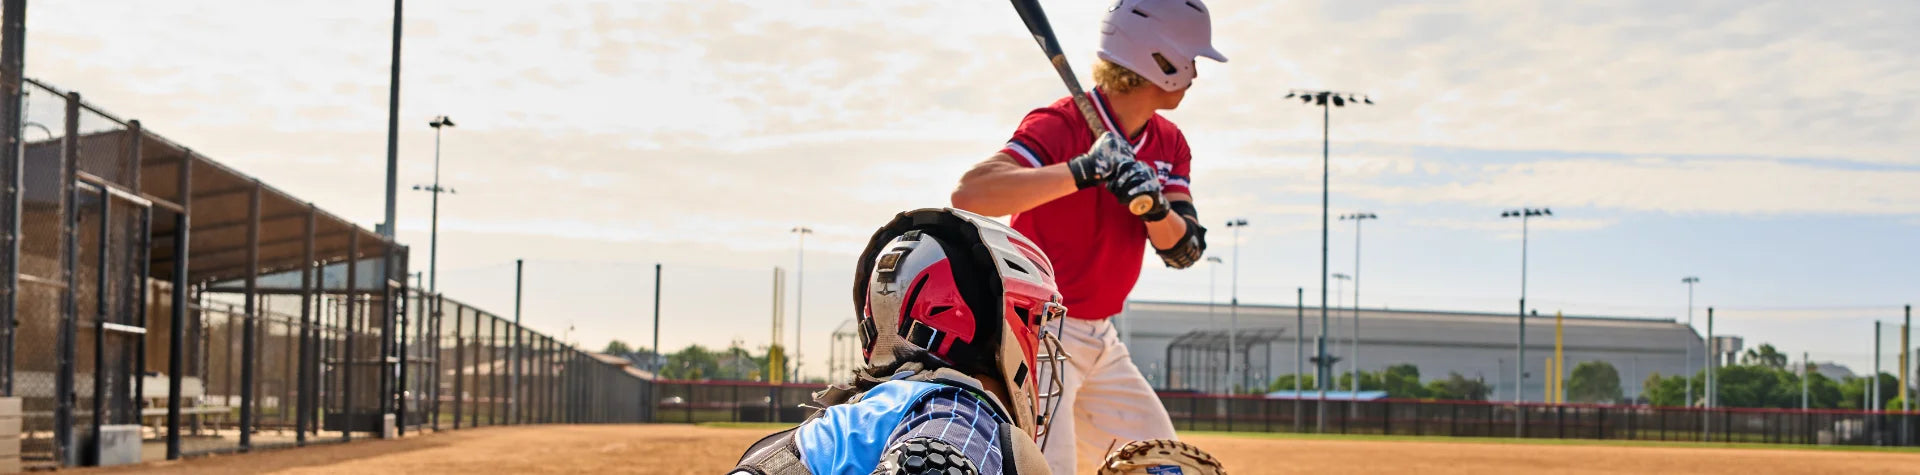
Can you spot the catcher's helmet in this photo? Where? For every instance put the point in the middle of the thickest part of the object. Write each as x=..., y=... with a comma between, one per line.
x=971, y=292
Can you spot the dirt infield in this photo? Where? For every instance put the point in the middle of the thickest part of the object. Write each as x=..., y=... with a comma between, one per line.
x=678, y=449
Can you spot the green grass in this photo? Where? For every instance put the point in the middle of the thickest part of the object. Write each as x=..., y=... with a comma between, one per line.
x=1506, y=440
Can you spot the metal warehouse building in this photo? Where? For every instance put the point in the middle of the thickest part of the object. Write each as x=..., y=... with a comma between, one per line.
x=1182, y=346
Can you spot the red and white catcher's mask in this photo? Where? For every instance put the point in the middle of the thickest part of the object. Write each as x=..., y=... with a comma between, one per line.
x=973, y=293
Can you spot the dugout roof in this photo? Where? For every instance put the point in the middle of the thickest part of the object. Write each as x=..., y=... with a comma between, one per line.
x=218, y=199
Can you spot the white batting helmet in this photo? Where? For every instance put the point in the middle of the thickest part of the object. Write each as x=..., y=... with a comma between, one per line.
x=1159, y=39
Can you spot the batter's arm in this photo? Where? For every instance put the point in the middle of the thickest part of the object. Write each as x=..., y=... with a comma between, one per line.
x=1000, y=186
x=1166, y=232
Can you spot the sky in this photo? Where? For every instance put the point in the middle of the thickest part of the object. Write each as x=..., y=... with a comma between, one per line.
x=1768, y=147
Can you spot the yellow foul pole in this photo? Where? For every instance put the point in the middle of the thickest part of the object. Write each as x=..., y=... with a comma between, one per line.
x=1559, y=359
x=1549, y=382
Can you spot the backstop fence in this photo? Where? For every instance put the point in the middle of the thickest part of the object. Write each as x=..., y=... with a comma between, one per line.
x=163, y=303
x=728, y=401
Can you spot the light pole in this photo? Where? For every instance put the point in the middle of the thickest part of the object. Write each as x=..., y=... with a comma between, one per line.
x=1326, y=100
x=1713, y=362
x=388, y=228
x=1299, y=332
x=1340, y=295
x=1806, y=372
x=1213, y=277
x=1356, y=218
x=1234, y=296
x=1520, y=361
x=1690, y=280
x=433, y=239
x=799, y=296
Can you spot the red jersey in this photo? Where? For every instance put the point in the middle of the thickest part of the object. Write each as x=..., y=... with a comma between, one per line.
x=1096, y=245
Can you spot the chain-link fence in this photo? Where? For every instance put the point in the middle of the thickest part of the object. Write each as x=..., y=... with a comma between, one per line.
x=726, y=401
x=493, y=372
x=276, y=345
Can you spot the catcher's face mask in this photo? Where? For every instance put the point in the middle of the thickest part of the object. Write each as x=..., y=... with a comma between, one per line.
x=971, y=292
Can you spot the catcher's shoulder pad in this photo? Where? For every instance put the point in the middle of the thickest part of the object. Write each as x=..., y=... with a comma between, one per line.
x=924, y=456
x=1161, y=457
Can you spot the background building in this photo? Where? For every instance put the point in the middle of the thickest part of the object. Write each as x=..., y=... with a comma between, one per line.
x=1475, y=345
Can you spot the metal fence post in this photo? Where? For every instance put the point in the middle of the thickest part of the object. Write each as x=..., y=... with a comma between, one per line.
x=100, y=317
x=63, y=380
x=305, y=388
x=387, y=313
x=176, y=332
x=459, y=362
x=252, y=305
x=495, y=391
x=403, y=299
x=348, y=357
x=13, y=52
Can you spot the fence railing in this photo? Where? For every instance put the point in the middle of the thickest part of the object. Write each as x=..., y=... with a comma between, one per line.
x=733, y=401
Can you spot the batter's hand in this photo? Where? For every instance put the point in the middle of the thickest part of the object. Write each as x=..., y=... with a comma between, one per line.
x=1108, y=154
x=1137, y=178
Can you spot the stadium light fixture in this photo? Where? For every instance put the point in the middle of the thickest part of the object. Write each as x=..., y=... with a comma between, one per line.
x=1320, y=98
x=1689, y=280
x=1213, y=278
x=1356, y=218
x=799, y=296
x=1234, y=301
x=433, y=236
x=1520, y=365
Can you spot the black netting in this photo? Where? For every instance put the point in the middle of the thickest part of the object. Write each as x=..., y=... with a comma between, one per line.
x=43, y=276
x=211, y=388
x=105, y=148
x=87, y=298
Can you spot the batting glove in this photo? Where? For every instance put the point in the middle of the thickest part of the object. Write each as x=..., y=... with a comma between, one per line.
x=1137, y=178
x=1109, y=152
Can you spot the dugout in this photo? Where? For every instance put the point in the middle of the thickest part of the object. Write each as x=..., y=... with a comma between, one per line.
x=135, y=265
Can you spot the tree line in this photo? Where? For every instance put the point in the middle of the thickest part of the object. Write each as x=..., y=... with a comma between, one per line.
x=1762, y=378
x=700, y=363
x=1400, y=381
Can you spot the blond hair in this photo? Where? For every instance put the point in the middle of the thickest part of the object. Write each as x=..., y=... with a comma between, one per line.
x=1116, y=79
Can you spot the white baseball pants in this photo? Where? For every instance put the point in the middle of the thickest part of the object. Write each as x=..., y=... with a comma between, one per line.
x=1106, y=402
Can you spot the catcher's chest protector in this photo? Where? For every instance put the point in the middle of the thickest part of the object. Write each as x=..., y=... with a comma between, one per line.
x=782, y=452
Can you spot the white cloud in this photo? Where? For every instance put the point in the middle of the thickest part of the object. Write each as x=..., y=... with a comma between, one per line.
x=1694, y=186
x=1507, y=228
x=590, y=131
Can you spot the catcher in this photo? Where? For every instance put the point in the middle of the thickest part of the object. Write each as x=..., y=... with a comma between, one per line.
x=954, y=315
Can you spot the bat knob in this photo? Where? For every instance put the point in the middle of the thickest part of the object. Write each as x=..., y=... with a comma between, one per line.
x=1140, y=205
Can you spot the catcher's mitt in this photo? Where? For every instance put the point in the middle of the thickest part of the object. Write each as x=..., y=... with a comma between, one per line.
x=1160, y=457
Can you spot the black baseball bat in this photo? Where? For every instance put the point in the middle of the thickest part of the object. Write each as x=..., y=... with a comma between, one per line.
x=1036, y=20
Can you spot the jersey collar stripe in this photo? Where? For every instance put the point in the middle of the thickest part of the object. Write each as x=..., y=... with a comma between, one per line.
x=1106, y=117
x=1027, y=155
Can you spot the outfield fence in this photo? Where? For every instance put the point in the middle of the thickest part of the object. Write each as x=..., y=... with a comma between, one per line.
x=730, y=401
